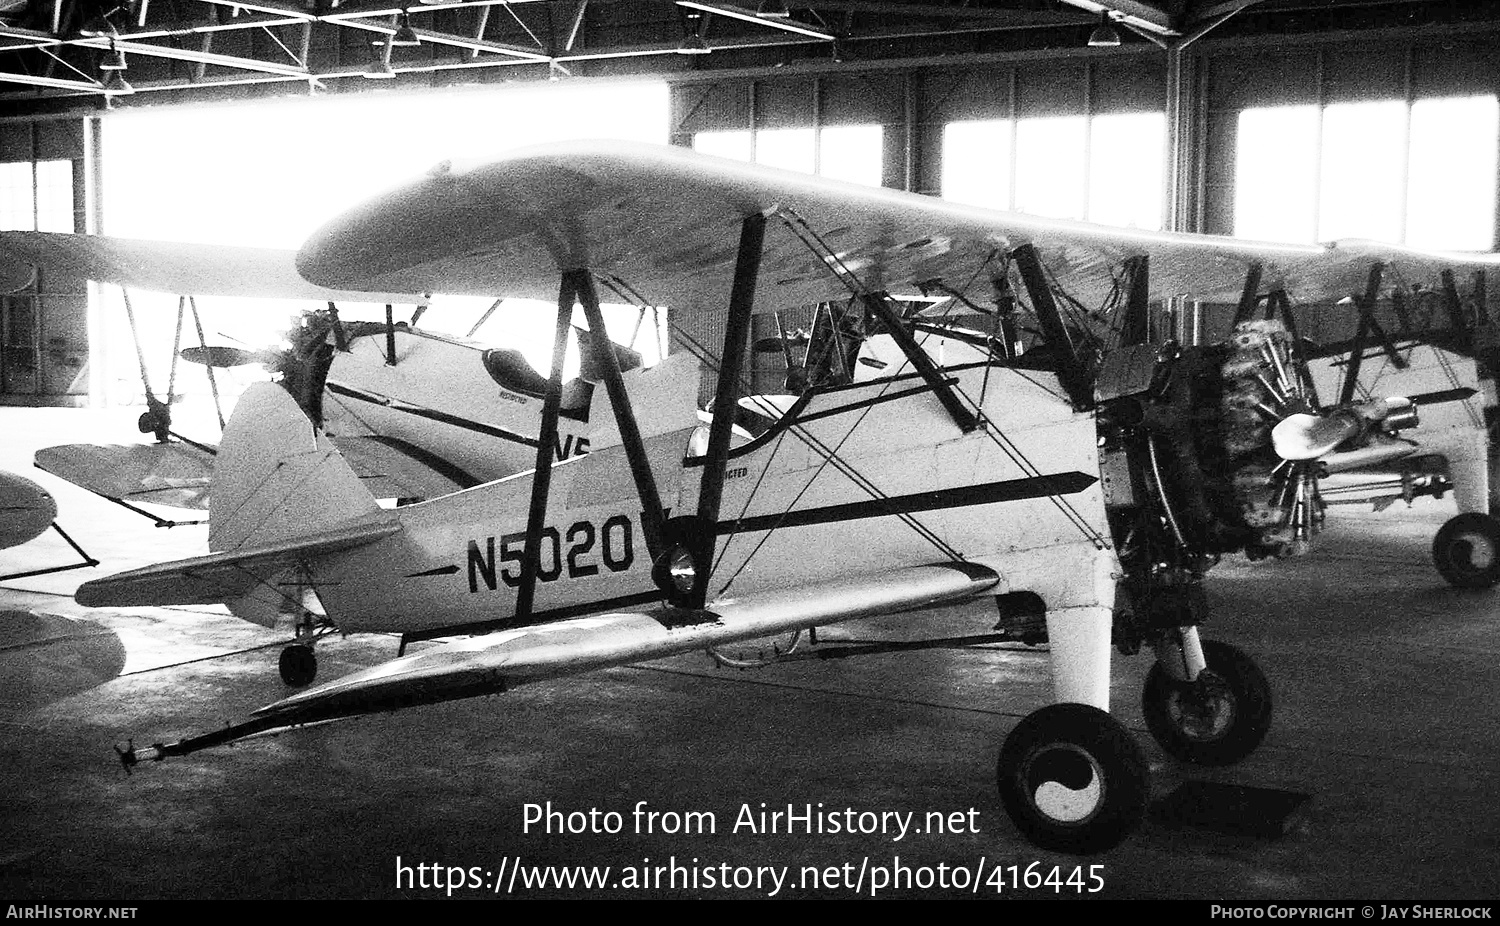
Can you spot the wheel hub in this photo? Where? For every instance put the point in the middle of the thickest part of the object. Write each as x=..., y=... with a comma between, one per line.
x=1203, y=710
x=1065, y=783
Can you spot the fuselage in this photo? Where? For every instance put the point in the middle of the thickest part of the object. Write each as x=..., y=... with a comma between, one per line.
x=851, y=479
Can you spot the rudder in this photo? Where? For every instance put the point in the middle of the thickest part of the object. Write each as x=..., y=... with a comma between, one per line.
x=276, y=478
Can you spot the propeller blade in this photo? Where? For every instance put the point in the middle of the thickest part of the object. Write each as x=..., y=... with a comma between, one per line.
x=1306, y=437
x=222, y=357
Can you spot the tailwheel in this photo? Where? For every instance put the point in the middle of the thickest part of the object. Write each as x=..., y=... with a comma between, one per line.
x=1217, y=719
x=1073, y=779
x=1467, y=550
x=298, y=664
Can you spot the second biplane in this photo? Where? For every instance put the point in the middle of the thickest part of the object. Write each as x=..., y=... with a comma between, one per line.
x=1076, y=491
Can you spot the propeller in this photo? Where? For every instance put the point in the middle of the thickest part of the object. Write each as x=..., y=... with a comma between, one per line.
x=1270, y=401
x=223, y=357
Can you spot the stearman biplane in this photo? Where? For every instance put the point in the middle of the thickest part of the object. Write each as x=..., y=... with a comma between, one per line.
x=1438, y=347
x=1057, y=476
x=417, y=413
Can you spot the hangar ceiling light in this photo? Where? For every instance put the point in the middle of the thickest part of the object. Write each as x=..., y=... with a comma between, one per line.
x=1104, y=34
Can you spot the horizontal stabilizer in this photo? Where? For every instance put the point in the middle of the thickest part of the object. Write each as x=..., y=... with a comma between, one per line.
x=223, y=576
x=498, y=661
x=175, y=474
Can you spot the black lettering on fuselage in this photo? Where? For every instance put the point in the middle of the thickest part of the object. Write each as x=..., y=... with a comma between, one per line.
x=577, y=553
x=566, y=445
x=482, y=565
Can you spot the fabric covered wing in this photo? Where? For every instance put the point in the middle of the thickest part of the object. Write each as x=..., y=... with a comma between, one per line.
x=221, y=577
x=493, y=663
x=666, y=221
x=169, y=267
x=174, y=474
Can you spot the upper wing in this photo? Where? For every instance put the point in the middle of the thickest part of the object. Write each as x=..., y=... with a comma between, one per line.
x=174, y=474
x=666, y=221
x=170, y=267
x=26, y=509
x=498, y=661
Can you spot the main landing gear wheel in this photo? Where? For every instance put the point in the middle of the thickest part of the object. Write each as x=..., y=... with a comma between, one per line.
x=1216, y=720
x=1467, y=550
x=1073, y=779
x=298, y=664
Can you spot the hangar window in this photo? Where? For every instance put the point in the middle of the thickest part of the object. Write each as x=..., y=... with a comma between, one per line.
x=976, y=163
x=854, y=153
x=1107, y=168
x=1421, y=174
x=1452, y=177
x=37, y=196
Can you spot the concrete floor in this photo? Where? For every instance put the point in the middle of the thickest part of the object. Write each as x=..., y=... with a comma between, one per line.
x=1387, y=714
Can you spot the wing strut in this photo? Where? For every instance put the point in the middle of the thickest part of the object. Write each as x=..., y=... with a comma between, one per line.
x=880, y=304
x=726, y=394
x=541, y=479
x=1250, y=296
x=1367, y=321
x=1071, y=373
x=1455, y=310
x=1137, y=307
x=608, y=363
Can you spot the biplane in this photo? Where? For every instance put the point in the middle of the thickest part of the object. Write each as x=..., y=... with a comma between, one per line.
x=1056, y=477
x=418, y=413
x=1444, y=359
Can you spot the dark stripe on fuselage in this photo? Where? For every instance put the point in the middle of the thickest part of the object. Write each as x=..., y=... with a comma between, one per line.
x=448, y=470
x=429, y=413
x=960, y=496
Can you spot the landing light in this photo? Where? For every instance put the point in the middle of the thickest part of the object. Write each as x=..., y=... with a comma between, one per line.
x=680, y=569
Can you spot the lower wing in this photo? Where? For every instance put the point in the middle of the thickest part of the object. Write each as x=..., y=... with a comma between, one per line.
x=500, y=661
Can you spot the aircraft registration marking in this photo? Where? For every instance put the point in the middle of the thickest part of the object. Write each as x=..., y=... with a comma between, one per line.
x=614, y=539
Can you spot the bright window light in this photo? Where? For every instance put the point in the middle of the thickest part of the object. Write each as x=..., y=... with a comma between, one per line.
x=789, y=149
x=733, y=145
x=1275, y=173
x=1451, y=196
x=976, y=163
x=17, y=197
x=36, y=197
x=1364, y=150
x=853, y=153
x=1050, y=166
x=1127, y=152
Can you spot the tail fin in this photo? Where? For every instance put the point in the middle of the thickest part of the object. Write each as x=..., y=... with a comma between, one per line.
x=276, y=478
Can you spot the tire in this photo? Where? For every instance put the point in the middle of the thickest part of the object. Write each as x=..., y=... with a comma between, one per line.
x=298, y=664
x=1218, y=719
x=1466, y=550
x=1073, y=779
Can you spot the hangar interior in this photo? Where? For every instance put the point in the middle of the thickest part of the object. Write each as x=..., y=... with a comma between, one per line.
x=1278, y=120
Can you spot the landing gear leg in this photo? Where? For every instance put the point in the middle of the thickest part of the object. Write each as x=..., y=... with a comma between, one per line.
x=1467, y=550
x=1205, y=702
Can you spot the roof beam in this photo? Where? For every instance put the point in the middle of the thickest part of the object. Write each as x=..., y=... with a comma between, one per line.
x=198, y=57
x=1134, y=12
x=744, y=15
x=448, y=38
x=56, y=83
